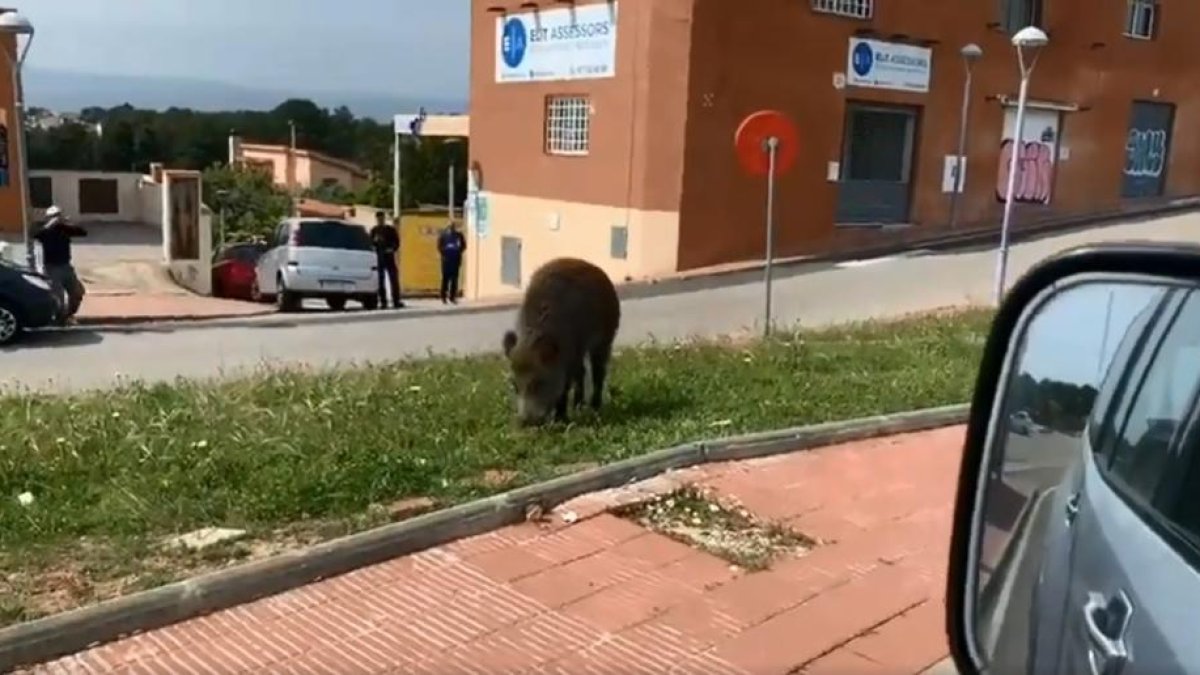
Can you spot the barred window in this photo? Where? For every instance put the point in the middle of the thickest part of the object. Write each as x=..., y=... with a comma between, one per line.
x=1139, y=22
x=568, y=125
x=855, y=9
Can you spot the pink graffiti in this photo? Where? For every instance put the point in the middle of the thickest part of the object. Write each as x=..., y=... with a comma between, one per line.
x=1035, y=172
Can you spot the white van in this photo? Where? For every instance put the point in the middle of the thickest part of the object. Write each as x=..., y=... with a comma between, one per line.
x=318, y=258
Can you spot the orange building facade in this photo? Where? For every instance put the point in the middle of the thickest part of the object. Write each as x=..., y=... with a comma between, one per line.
x=10, y=169
x=605, y=130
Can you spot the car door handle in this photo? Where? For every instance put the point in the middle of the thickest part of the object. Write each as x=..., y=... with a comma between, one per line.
x=1107, y=620
x=1072, y=507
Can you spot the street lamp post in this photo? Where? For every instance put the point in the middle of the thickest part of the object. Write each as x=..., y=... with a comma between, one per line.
x=1033, y=39
x=970, y=54
x=16, y=25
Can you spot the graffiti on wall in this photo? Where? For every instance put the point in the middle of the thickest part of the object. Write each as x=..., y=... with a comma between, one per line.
x=1035, y=172
x=1145, y=153
x=1037, y=156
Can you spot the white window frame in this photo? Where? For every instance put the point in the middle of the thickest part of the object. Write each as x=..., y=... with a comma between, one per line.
x=1136, y=11
x=568, y=129
x=854, y=9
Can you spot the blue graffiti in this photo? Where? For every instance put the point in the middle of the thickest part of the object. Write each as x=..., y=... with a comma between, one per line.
x=1145, y=153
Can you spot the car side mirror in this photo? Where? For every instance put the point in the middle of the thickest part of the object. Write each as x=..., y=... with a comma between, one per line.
x=1076, y=537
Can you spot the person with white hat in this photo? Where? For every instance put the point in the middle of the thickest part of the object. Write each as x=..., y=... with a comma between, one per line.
x=55, y=237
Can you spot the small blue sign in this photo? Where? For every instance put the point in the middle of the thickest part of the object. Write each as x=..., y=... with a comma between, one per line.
x=513, y=42
x=863, y=59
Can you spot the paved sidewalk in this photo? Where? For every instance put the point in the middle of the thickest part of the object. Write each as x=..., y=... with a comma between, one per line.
x=603, y=595
x=121, y=307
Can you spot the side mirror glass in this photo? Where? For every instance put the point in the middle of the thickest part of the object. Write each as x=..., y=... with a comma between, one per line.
x=1077, y=533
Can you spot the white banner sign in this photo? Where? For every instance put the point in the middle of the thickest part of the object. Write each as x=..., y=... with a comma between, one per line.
x=568, y=43
x=888, y=65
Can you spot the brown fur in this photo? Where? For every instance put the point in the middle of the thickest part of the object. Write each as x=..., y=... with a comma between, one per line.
x=570, y=314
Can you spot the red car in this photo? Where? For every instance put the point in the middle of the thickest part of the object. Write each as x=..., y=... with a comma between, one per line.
x=233, y=270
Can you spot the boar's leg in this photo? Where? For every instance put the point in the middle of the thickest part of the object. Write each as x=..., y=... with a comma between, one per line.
x=560, y=406
x=577, y=384
x=599, y=358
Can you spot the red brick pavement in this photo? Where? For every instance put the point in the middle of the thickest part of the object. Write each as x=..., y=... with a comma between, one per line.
x=602, y=595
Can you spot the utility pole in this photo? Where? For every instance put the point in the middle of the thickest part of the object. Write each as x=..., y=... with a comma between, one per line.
x=291, y=168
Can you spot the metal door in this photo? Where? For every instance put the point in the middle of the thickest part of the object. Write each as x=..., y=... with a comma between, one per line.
x=876, y=166
x=1147, y=149
x=510, y=261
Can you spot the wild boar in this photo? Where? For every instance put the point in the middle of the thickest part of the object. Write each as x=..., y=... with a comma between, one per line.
x=570, y=313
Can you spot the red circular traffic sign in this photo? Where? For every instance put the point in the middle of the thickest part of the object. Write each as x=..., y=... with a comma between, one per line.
x=750, y=142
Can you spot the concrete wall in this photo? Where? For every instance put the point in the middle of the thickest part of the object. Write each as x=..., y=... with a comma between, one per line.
x=194, y=274
x=131, y=199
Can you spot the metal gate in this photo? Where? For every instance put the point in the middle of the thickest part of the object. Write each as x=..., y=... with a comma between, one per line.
x=1147, y=149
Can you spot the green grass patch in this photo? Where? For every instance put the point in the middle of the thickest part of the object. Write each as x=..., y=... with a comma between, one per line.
x=297, y=456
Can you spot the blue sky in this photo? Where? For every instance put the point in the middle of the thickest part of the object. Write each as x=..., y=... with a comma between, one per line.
x=395, y=46
x=1067, y=340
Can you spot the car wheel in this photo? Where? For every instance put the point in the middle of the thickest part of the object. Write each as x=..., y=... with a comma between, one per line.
x=370, y=302
x=285, y=300
x=337, y=303
x=11, y=327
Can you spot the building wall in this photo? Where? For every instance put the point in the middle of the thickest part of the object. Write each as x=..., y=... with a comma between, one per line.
x=10, y=191
x=631, y=176
x=312, y=173
x=780, y=54
x=132, y=202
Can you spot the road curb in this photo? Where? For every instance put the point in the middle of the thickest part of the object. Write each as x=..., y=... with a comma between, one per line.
x=640, y=289
x=62, y=634
x=163, y=319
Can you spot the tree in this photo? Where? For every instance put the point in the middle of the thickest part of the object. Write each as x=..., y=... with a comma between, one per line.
x=251, y=203
x=179, y=138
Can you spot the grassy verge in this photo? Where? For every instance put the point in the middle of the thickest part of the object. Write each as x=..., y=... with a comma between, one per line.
x=295, y=457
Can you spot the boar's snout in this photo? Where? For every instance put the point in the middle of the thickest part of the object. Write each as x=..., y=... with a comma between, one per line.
x=531, y=413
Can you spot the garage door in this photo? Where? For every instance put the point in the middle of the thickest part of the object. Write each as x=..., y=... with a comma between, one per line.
x=1147, y=149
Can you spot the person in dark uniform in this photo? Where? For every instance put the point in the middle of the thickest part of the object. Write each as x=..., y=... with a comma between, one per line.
x=451, y=245
x=387, y=243
x=55, y=236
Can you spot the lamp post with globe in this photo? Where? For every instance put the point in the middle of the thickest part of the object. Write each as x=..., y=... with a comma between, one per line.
x=1030, y=38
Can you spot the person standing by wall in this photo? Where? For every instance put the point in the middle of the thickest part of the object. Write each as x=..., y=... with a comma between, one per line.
x=451, y=246
x=55, y=237
x=387, y=243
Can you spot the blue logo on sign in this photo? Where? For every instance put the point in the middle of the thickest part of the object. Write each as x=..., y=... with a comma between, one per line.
x=513, y=42
x=862, y=59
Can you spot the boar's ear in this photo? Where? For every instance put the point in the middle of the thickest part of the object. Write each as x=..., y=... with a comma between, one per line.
x=510, y=341
x=546, y=349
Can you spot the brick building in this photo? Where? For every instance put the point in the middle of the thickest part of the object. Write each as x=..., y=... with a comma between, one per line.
x=605, y=130
x=10, y=170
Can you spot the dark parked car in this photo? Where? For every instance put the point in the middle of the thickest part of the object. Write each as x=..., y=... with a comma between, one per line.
x=233, y=270
x=28, y=300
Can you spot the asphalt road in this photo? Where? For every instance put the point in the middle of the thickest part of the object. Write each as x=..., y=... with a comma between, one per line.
x=822, y=296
